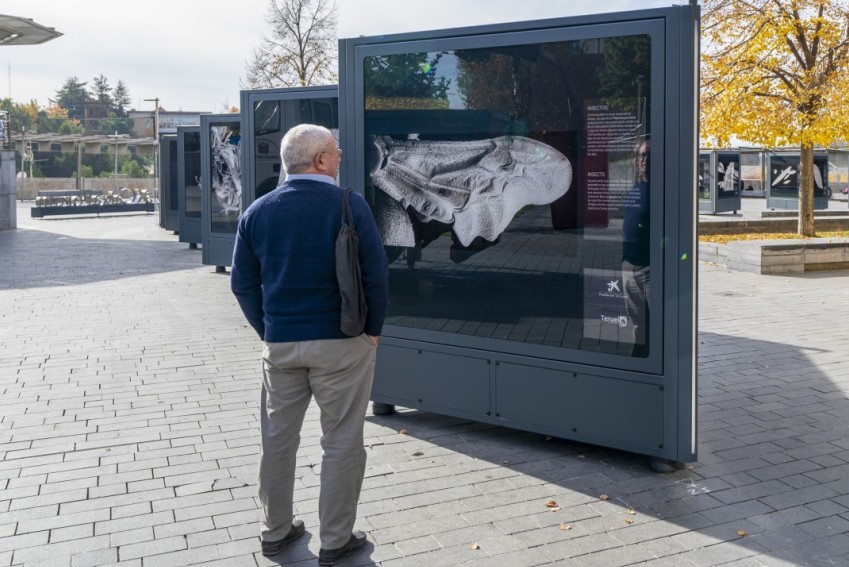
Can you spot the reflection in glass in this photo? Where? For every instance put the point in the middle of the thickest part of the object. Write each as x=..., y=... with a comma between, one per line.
x=268, y=173
x=752, y=172
x=636, y=251
x=173, y=196
x=501, y=179
x=192, y=174
x=266, y=117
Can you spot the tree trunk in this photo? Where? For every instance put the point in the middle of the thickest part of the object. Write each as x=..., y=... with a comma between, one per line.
x=806, y=191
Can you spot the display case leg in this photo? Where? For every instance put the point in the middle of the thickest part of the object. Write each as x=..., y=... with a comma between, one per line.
x=220, y=270
x=379, y=408
x=193, y=245
x=666, y=465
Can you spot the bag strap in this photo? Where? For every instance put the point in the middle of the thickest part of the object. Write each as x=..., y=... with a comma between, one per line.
x=347, y=214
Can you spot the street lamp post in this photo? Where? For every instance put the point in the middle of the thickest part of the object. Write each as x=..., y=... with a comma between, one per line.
x=115, y=177
x=155, y=145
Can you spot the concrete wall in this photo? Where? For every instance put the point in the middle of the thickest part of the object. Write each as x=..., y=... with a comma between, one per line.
x=8, y=208
x=28, y=188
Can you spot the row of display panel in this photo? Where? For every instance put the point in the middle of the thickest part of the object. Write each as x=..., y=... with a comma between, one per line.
x=542, y=266
x=726, y=175
x=212, y=172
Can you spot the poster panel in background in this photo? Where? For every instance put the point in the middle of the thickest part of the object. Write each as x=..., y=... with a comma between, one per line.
x=727, y=175
x=226, y=177
x=784, y=175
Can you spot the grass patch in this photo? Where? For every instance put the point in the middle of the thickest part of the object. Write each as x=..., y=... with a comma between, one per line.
x=726, y=238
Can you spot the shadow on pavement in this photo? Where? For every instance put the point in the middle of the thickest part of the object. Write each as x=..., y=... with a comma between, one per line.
x=771, y=486
x=25, y=253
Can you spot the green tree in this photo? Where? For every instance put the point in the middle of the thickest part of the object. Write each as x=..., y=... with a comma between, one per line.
x=120, y=99
x=101, y=90
x=112, y=124
x=85, y=171
x=132, y=168
x=21, y=115
x=72, y=97
x=68, y=127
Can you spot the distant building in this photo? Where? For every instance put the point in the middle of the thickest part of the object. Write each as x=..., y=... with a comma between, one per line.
x=168, y=121
x=93, y=112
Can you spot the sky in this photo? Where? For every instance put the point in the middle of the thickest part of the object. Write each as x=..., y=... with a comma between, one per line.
x=191, y=54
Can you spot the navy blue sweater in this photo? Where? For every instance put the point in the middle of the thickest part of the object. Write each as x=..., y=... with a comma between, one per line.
x=284, y=267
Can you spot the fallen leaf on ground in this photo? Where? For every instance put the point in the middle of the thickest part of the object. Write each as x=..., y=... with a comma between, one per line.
x=418, y=454
x=603, y=497
x=741, y=533
x=551, y=504
x=474, y=546
x=632, y=511
x=403, y=432
x=565, y=527
x=555, y=509
x=629, y=521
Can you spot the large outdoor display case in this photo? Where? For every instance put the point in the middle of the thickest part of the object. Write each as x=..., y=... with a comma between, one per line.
x=221, y=186
x=267, y=114
x=719, y=181
x=784, y=177
x=534, y=184
x=188, y=184
x=169, y=198
x=752, y=172
x=838, y=171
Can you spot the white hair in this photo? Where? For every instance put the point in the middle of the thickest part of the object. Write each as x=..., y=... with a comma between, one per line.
x=300, y=145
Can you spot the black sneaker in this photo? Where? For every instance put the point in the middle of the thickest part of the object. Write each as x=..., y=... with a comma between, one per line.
x=271, y=548
x=328, y=557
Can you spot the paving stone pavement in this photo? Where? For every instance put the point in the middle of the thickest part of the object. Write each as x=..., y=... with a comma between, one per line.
x=129, y=433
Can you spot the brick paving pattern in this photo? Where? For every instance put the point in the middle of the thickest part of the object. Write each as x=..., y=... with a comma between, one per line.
x=129, y=434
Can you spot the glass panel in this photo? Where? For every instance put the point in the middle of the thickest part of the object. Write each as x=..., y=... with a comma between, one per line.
x=268, y=172
x=784, y=175
x=705, y=180
x=751, y=172
x=727, y=175
x=511, y=188
x=266, y=116
x=173, y=195
x=192, y=174
x=838, y=171
x=226, y=176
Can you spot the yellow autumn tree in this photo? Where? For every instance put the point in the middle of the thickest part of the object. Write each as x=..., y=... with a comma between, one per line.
x=776, y=73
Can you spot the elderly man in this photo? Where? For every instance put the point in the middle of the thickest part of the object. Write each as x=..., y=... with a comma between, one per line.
x=284, y=278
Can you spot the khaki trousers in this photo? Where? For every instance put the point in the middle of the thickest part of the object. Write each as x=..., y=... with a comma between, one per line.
x=338, y=373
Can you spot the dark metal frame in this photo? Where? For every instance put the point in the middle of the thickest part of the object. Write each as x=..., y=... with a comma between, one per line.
x=714, y=204
x=647, y=405
x=169, y=198
x=189, y=227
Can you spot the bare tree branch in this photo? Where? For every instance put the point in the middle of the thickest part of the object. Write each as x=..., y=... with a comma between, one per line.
x=302, y=48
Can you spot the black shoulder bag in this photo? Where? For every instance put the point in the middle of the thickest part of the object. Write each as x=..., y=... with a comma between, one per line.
x=348, y=273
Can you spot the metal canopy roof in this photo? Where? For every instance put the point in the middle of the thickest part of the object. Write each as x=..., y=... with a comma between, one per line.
x=122, y=139
x=15, y=30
